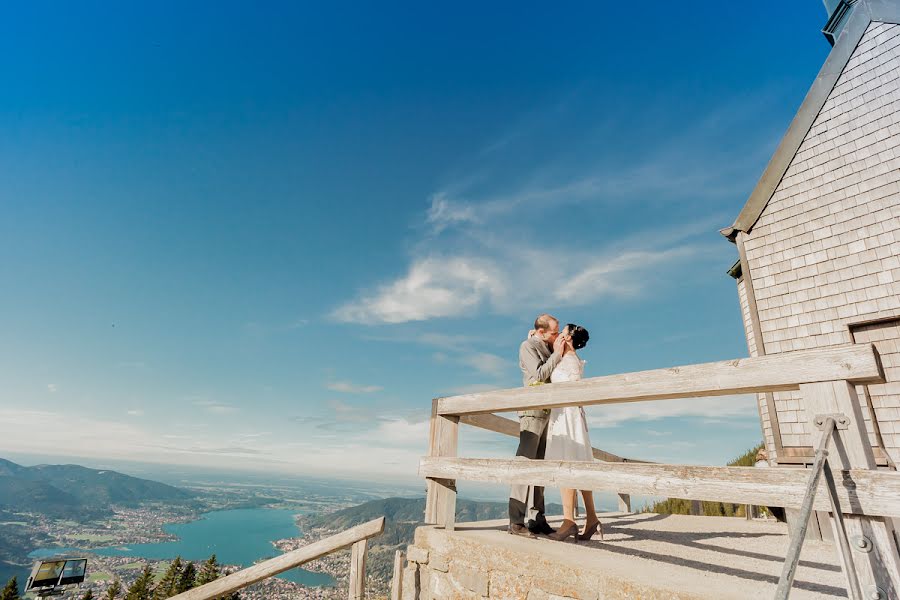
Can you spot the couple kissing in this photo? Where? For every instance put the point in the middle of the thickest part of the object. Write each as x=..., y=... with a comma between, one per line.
x=550, y=356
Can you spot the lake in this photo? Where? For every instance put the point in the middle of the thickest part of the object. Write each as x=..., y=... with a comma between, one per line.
x=236, y=537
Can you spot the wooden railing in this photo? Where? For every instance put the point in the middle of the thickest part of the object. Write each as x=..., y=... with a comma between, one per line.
x=826, y=380
x=499, y=424
x=355, y=538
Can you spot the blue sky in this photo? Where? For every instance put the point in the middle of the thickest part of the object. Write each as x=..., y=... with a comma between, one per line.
x=265, y=236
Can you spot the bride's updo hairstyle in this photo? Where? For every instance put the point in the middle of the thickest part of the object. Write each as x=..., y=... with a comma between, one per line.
x=579, y=335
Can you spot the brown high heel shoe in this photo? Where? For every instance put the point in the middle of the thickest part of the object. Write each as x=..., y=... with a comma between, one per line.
x=590, y=531
x=564, y=532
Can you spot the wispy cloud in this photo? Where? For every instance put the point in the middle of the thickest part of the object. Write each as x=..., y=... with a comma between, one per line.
x=52, y=388
x=723, y=408
x=348, y=387
x=483, y=243
x=136, y=412
x=486, y=364
x=215, y=407
x=433, y=287
x=516, y=277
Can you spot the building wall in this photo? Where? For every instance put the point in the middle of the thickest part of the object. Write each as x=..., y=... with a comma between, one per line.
x=825, y=252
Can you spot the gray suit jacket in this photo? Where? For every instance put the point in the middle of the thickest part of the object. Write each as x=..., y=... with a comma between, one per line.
x=537, y=361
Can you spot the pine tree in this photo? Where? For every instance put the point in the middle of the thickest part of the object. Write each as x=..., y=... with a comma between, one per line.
x=187, y=579
x=113, y=591
x=142, y=588
x=209, y=571
x=168, y=585
x=88, y=595
x=11, y=590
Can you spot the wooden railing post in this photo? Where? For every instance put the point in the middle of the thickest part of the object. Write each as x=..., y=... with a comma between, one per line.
x=397, y=580
x=357, y=589
x=874, y=549
x=624, y=503
x=440, y=501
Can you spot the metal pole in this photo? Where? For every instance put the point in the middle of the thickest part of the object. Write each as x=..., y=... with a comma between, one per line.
x=798, y=531
x=838, y=516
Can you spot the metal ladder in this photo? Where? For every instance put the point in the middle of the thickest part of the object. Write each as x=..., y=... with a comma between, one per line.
x=828, y=424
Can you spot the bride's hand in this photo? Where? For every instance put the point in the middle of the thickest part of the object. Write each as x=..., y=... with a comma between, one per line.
x=559, y=346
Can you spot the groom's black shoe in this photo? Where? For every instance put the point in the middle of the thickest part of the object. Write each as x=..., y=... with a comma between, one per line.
x=520, y=530
x=540, y=526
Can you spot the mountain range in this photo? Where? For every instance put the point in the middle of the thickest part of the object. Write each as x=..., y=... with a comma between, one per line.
x=76, y=492
x=402, y=516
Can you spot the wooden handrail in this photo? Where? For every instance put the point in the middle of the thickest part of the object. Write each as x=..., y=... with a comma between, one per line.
x=269, y=568
x=857, y=364
x=499, y=424
x=860, y=491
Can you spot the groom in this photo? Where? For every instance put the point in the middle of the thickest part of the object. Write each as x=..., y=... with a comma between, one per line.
x=538, y=356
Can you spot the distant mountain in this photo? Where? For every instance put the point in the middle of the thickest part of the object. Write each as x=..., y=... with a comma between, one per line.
x=411, y=510
x=76, y=492
x=402, y=516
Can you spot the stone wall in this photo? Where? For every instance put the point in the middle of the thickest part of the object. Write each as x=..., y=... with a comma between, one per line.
x=825, y=253
x=446, y=566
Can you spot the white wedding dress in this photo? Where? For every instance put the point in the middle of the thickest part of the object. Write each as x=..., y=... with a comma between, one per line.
x=567, y=432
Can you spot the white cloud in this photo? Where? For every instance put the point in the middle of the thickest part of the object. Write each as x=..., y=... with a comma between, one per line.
x=444, y=213
x=348, y=387
x=136, y=412
x=52, y=388
x=515, y=277
x=612, y=277
x=486, y=245
x=214, y=407
x=485, y=363
x=434, y=287
x=724, y=408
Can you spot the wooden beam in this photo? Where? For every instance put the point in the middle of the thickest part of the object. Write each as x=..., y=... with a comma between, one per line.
x=878, y=567
x=509, y=427
x=290, y=560
x=397, y=579
x=860, y=491
x=758, y=340
x=804, y=455
x=357, y=588
x=781, y=372
x=440, y=495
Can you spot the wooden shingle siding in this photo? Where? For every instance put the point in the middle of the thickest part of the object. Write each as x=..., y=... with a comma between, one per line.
x=825, y=252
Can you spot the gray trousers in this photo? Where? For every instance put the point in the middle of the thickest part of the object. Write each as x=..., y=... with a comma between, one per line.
x=525, y=501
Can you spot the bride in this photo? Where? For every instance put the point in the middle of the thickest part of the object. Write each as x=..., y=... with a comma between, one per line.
x=567, y=438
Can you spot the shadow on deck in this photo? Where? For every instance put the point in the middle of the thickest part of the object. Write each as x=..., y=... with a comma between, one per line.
x=645, y=556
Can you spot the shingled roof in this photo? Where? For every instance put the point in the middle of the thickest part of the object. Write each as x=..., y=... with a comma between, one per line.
x=864, y=12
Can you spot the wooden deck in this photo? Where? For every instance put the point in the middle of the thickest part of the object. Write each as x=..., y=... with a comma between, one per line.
x=643, y=556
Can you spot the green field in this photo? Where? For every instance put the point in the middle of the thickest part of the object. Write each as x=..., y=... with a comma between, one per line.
x=100, y=576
